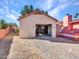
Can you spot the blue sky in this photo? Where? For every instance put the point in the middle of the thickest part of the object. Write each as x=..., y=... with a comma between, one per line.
x=10, y=9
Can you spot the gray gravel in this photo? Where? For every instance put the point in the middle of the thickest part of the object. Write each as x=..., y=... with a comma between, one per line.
x=42, y=49
x=4, y=48
x=5, y=44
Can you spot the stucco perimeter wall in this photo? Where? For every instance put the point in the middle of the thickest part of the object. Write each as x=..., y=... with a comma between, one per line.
x=4, y=32
x=27, y=25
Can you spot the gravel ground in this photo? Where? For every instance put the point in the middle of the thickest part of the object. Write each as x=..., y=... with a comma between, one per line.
x=5, y=44
x=42, y=49
x=4, y=48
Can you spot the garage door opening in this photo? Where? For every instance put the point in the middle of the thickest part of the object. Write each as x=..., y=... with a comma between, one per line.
x=43, y=30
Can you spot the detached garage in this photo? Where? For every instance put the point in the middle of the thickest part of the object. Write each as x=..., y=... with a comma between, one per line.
x=37, y=24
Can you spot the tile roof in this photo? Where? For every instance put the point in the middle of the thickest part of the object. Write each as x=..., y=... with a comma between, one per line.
x=36, y=12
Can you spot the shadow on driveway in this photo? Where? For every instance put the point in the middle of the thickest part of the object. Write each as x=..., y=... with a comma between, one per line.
x=58, y=39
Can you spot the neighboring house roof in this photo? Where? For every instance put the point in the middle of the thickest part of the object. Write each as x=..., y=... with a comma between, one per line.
x=75, y=21
x=36, y=12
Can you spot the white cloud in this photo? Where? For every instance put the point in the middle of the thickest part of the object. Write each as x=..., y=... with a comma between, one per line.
x=62, y=5
x=48, y=4
x=14, y=2
x=14, y=12
x=44, y=4
x=56, y=10
x=77, y=3
x=63, y=1
x=1, y=17
x=1, y=4
x=9, y=13
x=6, y=8
x=12, y=16
x=2, y=11
x=6, y=2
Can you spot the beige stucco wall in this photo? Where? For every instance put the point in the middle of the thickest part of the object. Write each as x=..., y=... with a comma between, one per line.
x=75, y=26
x=27, y=25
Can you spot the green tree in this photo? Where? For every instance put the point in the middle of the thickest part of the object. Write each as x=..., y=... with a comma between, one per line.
x=46, y=12
x=3, y=24
x=12, y=24
x=76, y=15
x=26, y=10
x=37, y=9
x=31, y=8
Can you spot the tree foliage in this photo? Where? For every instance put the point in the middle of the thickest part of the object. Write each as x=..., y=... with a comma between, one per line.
x=46, y=12
x=12, y=24
x=28, y=9
x=76, y=15
x=31, y=8
x=3, y=24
